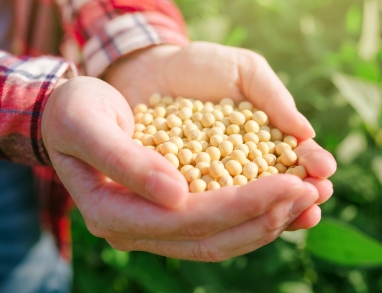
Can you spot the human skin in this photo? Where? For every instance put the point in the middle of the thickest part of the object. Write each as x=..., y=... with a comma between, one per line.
x=87, y=126
x=208, y=72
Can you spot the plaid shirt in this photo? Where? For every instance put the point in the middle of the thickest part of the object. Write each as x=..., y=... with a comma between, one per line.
x=96, y=33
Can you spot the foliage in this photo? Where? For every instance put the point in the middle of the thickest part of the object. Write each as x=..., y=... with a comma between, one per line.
x=328, y=54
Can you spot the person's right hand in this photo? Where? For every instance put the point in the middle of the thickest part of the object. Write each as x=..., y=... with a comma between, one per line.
x=87, y=127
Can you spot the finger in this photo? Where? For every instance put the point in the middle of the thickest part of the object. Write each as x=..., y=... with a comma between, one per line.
x=317, y=161
x=262, y=87
x=204, y=214
x=308, y=219
x=240, y=239
x=324, y=187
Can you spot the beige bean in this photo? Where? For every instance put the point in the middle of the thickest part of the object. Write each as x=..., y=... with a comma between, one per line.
x=160, y=137
x=235, y=139
x=270, y=159
x=159, y=112
x=261, y=164
x=214, y=153
x=192, y=174
x=185, y=156
x=237, y=118
x=242, y=147
x=176, y=132
x=263, y=147
x=169, y=147
x=138, y=135
x=226, y=148
x=216, y=140
x=264, y=174
x=198, y=185
x=204, y=167
x=251, y=145
x=245, y=105
x=240, y=180
x=232, y=129
x=291, y=140
x=255, y=153
x=225, y=180
x=198, y=106
x=140, y=108
x=264, y=135
x=300, y=171
x=213, y=185
x=177, y=141
x=239, y=156
x=202, y=157
x=233, y=167
x=154, y=99
x=281, y=167
x=250, y=170
x=216, y=169
x=251, y=137
x=208, y=119
x=172, y=159
x=276, y=134
x=260, y=117
x=139, y=127
x=147, y=140
x=288, y=157
x=272, y=170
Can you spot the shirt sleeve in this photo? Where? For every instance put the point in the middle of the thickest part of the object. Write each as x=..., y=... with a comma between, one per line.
x=108, y=29
x=25, y=85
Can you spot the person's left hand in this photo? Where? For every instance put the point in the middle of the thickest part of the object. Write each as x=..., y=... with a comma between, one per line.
x=210, y=72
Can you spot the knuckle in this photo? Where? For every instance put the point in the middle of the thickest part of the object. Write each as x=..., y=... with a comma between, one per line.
x=204, y=251
x=274, y=220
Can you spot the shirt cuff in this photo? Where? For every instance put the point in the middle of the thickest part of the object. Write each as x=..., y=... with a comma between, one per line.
x=127, y=33
x=26, y=86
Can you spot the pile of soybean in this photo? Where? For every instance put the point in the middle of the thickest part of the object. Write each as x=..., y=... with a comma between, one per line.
x=215, y=145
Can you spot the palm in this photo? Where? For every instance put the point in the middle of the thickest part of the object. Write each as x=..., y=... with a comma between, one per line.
x=210, y=72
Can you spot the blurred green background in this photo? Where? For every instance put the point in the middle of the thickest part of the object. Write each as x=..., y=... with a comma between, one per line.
x=329, y=55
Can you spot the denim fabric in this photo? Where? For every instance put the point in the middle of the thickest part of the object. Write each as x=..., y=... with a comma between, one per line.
x=5, y=23
x=19, y=219
x=41, y=271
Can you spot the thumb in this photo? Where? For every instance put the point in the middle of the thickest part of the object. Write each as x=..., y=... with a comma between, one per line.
x=138, y=168
x=264, y=89
x=91, y=121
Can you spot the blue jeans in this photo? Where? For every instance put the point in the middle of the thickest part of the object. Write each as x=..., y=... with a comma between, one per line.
x=41, y=271
x=29, y=260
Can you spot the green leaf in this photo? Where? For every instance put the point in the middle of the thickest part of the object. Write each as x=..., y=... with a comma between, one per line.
x=343, y=244
x=364, y=96
x=353, y=20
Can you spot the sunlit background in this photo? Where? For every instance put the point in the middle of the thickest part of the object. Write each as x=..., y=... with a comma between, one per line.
x=329, y=55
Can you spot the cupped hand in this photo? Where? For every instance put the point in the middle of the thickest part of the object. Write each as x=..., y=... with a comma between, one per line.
x=210, y=72
x=87, y=127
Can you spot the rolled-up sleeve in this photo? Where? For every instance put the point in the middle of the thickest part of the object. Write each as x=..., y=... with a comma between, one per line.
x=25, y=85
x=106, y=30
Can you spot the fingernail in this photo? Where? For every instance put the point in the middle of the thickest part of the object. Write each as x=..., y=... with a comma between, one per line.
x=307, y=124
x=165, y=190
x=309, y=198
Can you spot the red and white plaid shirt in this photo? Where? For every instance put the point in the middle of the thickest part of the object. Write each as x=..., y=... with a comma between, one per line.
x=95, y=33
